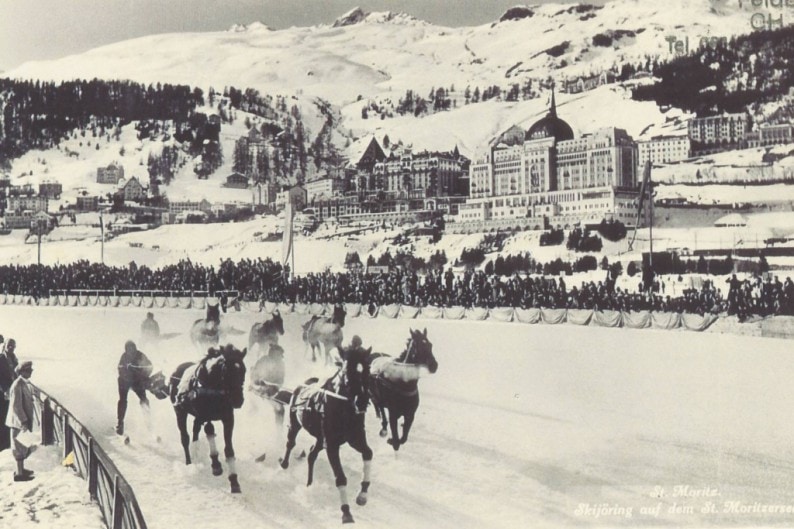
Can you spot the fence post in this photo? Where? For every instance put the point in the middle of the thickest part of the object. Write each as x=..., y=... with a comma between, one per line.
x=118, y=504
x=47, y=424
x=93, y=470
x=67, y=436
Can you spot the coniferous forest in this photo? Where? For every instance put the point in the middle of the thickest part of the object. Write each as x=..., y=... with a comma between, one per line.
x=727, y=77
x=38, y=115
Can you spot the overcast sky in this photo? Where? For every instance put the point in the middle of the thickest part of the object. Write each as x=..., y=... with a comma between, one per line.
x=46, y=29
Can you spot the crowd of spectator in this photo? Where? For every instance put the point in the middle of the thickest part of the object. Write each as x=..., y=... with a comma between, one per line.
x=264, y=280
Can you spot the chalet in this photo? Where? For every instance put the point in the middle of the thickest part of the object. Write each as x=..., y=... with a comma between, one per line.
x=110, y=174
x=131, y=190
x=237, y=180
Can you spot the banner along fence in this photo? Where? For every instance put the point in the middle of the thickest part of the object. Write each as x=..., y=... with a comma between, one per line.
x=198, y=300
x=106, y=485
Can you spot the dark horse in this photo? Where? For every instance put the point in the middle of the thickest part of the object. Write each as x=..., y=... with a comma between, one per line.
x=210, y=391
x=333, y=412
x=266, y=333
x=325, y=331
x=207, y=331
x=267, y=379
x=394, y=384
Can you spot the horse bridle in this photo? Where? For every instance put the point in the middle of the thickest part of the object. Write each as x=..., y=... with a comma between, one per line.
x=410, y=350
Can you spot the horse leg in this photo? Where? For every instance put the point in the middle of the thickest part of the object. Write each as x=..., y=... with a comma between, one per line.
x=194, y=444
x=209, y=429
x=292, y=433
x=408, y=420
x=228, y=451
x=381, y=411
x=181, y=421
x=341, y=481
x=315, y=450
x=359, y=443
x=394, y=440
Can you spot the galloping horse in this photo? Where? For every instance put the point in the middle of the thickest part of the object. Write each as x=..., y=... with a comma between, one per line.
x=266, y=333
x=394, y=384
x=267, y=378
x=333, y=412
x=206, y=332
x=210, y=391
x=325, y=331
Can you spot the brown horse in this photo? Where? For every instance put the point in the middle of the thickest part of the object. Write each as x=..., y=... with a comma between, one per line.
x=210, y=391
x=267, y=332
x=394, y=384
x=325, y=331
x=333, y=412
x=206, y=332
x=267, y=380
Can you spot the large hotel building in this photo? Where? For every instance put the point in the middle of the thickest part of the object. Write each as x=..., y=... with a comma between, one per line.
x=551, y=179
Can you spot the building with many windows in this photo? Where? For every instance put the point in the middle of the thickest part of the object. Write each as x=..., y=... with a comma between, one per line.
x=663, y=149
x=549, y=177
x=718, y=133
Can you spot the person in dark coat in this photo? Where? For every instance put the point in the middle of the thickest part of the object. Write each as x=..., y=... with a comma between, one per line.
x=7, y=376
x=149, y=328
x=134, y=372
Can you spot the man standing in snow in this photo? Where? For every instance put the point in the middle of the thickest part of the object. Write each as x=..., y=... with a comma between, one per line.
x=150, y=330
x=21, y=418
x=134, y=372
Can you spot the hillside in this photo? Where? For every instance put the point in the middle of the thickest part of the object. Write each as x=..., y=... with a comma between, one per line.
x=374, y=53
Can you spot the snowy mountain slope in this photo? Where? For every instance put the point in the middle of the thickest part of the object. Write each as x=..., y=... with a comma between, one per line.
x=378, y=52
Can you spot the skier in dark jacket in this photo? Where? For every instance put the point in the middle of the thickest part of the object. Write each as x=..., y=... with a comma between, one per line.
x=135, y=369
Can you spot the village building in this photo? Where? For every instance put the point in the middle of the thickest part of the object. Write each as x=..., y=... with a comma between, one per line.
x=237, y=180
x=131, y=190
x=718, y=133
x=295, y=194
x=110, y=174
x=87, y=203
x=263, y=194
x=325, y=187
x=51, y=189
x=548, y=177
x=664, y=149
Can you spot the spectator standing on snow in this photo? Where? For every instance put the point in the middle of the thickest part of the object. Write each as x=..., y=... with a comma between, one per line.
x=20, y=418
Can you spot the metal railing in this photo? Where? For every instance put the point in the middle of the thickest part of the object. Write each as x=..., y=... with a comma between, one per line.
x=106, y=485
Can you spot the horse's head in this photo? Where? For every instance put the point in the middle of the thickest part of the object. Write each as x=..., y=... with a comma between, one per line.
x=356, y=377
x=278, y=322
x=339, y=315
x=420, y=351
x=213, y=313
x=233, y=373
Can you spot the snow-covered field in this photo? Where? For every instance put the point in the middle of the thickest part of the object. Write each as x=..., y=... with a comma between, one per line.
x=522, y=426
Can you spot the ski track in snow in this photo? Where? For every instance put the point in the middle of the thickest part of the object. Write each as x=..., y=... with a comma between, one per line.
x=520, y=426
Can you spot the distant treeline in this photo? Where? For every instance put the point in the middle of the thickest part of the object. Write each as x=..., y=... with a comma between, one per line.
x=38, y=115
x=728, y=76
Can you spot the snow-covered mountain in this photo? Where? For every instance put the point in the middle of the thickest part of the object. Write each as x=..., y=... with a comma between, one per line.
x=374, y=53
x=361, y=60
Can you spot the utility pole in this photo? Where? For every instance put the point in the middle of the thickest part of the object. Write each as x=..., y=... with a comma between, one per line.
x=102, y=233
